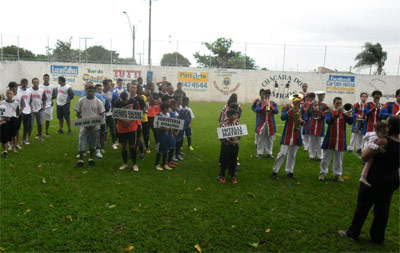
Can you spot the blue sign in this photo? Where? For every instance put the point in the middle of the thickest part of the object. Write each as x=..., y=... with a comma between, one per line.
x=341, y=84
x=62, y=70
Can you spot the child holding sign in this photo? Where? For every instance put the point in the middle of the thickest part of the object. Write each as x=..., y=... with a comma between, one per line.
x=173, y=114
x=229, y=150
x=164, y=139
x=188, y=116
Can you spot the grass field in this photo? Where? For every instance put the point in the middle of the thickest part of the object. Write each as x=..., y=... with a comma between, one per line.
x=48, y=205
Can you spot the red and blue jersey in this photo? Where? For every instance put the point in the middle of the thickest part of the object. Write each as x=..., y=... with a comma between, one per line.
x=256, y=102
x=316, y=126
x=335, y=137
x=358, y=113
x=291, y=136
x=389, y=109
x=371, y=111
x=266, y=121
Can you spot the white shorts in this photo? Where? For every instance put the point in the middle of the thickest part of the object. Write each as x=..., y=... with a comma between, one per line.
x=48, y=113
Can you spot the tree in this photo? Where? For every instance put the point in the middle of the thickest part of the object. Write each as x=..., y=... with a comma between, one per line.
x=99, y=54
x=222, y=56
x=64, y=52
x=174, y=59
x=371, y=55
x=11, y=53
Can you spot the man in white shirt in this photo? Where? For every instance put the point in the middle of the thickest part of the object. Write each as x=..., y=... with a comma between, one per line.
x=27, y=112
x=37, y=105
x=110, y=122
x=51, y=93
x=64, y=96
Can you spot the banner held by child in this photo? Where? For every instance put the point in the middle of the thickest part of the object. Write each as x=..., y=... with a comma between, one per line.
x=166, y=122
x=127, y=114
x=232, y=131
x=86, y=122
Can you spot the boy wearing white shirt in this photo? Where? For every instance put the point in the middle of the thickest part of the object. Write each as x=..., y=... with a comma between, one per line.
x=37, y=105
x=27, y=112
x=51, y=93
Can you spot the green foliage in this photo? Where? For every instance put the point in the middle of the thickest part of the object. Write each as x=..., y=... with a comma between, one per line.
x=221, y=56
x=372, y=55
x=99, y=54
x=11, y=53
x=64, y=52
x=171, y=211
x=174, y=59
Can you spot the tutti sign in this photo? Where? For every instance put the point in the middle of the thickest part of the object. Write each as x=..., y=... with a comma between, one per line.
x=282, y=86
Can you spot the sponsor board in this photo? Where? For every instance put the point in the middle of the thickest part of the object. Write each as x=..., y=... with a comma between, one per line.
x=337, y=84
x=232, y=131
x=120, y=113
x=86, y=122
x=70, y=73
x=193, y=81
x=167, y=122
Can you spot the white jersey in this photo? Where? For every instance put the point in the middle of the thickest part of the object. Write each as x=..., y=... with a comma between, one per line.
x=13, y=107
x=38, y=98
x=119, y=91
x=49, y=91
x=62, y=94
x=18, y=97
x=109, y=96
x=27, y=96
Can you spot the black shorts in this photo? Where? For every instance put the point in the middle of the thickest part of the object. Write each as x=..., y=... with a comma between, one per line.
x=139, y=131
x=63, y=111
x=18, y=123
x=129, y=136
x=102, y=128
x=8, y=130
x=27, y=120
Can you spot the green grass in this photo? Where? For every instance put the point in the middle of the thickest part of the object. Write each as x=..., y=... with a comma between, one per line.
x=174, y=210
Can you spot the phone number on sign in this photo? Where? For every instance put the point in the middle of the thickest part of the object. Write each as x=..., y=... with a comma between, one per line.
x=194, y=85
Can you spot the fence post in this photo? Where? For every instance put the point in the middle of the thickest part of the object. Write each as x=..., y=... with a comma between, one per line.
x=2, y=52
x=18, y=47
x=48, y=48
x=245, y=54
x=111, y=52
x=325, y=56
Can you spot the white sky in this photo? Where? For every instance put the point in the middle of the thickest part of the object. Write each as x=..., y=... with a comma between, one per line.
x=343, y=25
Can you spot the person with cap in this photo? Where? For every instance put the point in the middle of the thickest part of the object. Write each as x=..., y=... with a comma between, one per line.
x=316, y=129
x=266, y=126
x=294, y=118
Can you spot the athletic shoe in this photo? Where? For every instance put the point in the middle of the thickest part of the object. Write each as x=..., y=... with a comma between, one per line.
x=233, y=180
x=91, y=162
x=114, y=146
x=40, y=139
x=259, y=156
x=166, y=167
x=222, y=179
x=321, y=177
x=182, y=153
x=10, y=147
x=37, y=136
x=141, y=156
x=124, y=166
x=237, y=163
x=172, y=164
x=60, y=131
x=270, y=156
x=359, y=151
x=69, y=132
x=46, y=135
x=25, y=142
x=158, y=167
x=180, y=158
x=79, y=164
x=365, y=182
x=338, y=178
x=5, y=154
x=274, y=175
x=148, y=151
x=174, y=159
x=135, y=168
x=84, y=154
x=344, y=234
x=191, y=148
x=290, y=175
x=103, y=151
x=98, y=153
x=18, y=147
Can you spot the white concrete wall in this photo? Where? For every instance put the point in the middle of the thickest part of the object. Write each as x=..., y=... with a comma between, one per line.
x=208, y=84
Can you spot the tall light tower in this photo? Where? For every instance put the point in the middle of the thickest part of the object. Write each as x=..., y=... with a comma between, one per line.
x=133, y=37
x=149, y=60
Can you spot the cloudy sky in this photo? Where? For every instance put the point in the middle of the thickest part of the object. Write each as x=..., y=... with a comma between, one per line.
x=258, y=28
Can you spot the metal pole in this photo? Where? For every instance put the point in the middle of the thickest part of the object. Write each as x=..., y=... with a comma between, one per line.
x=143, y=53
x=133, y=45
x=111, y=52
x=176, y=54
x=79, y=49
x=2, y=53
x=245, y=54
x=18, y=47
x=48, y=48
x=284, y=55
x=149, y=59
x=325, y=56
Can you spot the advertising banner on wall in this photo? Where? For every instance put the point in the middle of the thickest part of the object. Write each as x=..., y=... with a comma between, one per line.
x=193, y=81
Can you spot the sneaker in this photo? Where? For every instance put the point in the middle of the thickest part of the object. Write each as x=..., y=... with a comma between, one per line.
x=114, y=146
x=84, y=154
x=180, y=158
x=344, y=234
x=37, y=136
x=171, y=164
x=338, y=178
x=25, y=142
x=191, y=148
x=98, y=154
x=175, y=159
x=46, y=135
x=9, y=147
x=60, y=131
x=258, y=156
x=359, y=151
x=321, y=177
x=233, y=180
x=5, y=154
x=79, y=164
x=270, y=156
x=148, y=151
x=69, y=132
x=274, y=175
x=124, y=166
x=182, y=153
x=18, y=147
x=166, y=167
x=40, y=139
x=141, y=156
x=103, y=151
x=135, y=168
x=91, y=162
x=237, y=163
x=158, y=167
x=365, y=182
x=290, y=175
x=222, y=179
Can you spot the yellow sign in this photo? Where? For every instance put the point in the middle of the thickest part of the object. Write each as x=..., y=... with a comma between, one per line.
x=201, y=77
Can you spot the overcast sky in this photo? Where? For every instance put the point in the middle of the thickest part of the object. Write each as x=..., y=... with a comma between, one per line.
x=258, y=28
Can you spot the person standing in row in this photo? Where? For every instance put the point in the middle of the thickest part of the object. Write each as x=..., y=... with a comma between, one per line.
x=51, y=94
x=13, y=86
x=291, y=139
x=110, y=122
x=27, y=112
x=255, y=104
x=8, y=124
x=179, y=92
x=64, y=96
x=334, y=143
x=305, y=128
x=119, y=89
x=371, y=111
x=38, y=105
x=391, y=108
x=358, y=124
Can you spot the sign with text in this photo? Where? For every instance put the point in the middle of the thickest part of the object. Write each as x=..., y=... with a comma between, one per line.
x=340, y=84
x=196, y=81
x=166, y=122
x=232, y=131
x=120, y=113
x=86, y=122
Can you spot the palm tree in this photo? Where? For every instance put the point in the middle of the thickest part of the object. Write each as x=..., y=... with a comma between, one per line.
x=371, y=55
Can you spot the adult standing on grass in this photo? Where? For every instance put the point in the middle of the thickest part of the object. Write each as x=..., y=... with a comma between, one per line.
x=88, y=107
x=371, y=111
x=38, y=105
x=110, y=122
x=27, y=112
x=64, y=96
x=51, y=93
x=13, y=86
x=384, y=179
x=358, y=115
x=179, y=92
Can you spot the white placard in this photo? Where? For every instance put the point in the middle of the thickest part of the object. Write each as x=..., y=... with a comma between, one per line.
x=232, y=131
x=85, y=122
x=5, y=112
x=129, y=114
x=166, y=122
